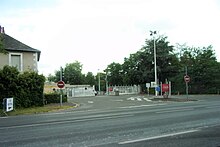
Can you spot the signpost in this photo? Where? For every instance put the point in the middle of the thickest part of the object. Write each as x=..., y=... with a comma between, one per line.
x=61, y=85
x=165, y=87
x=187, y=80
x=8, y=105
x=148, y=86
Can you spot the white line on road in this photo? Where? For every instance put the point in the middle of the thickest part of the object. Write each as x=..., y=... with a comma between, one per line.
x=157, y=137
x=117, y=100
x=3, y=117
x=175, y=110
x=146, y=99
x=90, y=102
x=211, y=107
x=139, y=99
x=101, y=117
x=138, y=106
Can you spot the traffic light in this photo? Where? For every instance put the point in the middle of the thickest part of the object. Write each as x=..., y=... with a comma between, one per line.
x=61, y=74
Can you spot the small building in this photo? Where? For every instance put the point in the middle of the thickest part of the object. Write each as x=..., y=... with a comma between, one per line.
x=19, y=55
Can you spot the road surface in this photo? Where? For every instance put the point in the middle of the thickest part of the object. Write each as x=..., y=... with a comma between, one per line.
x=110, y=121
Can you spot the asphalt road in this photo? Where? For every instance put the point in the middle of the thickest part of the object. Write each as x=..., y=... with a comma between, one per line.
x=119, y=121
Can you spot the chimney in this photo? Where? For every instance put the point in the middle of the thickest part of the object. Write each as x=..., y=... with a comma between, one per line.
x=3, y=30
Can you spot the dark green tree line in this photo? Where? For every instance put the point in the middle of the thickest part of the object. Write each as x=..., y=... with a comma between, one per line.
x=172, y=61
x=72, y=74
x=201, y=64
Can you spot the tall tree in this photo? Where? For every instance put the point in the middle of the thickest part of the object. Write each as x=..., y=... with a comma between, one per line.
x=167, y=61
x=73, y=73
x=90, y=79
x=202, y=67
x=114, y=74
x=139, y=67
x=52, y=78
x=130, y=70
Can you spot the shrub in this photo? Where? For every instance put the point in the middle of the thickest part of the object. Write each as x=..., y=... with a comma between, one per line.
x=54, y=98
x=26, y=88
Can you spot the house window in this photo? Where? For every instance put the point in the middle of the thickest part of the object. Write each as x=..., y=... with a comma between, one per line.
x=15, y=59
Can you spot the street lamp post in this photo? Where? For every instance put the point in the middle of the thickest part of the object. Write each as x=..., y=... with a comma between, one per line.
x=153, y=33
x=106, y=82
x=99, y=81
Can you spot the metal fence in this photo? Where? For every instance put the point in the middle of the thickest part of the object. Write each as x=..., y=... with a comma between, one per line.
x=79, y=91
x=135, y=89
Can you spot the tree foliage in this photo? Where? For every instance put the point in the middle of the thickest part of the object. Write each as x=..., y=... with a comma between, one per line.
x=72, y=74
x=201, y=64
x=203, y=68
x=114, y=74
x=90, y=79
x=172, y=62
x=26, y=88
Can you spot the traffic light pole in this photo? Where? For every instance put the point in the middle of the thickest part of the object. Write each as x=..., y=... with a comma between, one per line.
x=61, y=72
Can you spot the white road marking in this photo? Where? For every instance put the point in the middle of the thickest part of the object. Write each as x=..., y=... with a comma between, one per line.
x=146, y=99
x=67, y=121
x=211, y=107
x=117, y=100
x=175, y=110
x=3, y=117
x=157, y=137
x=90, y=102
x=137, y=106
x=131, y=98
x=139, y=99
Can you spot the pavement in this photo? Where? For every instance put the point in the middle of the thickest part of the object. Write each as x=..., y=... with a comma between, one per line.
x=115, y=121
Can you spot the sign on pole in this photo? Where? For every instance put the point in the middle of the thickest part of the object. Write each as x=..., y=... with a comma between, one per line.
x=158, y=88
x=187, y=78
x=9, y=104
x=165, y=87
x=153, y=84
x=60, y=84
x=148, y=86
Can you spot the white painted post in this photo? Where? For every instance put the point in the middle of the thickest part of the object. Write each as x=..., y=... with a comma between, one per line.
x=169, y=88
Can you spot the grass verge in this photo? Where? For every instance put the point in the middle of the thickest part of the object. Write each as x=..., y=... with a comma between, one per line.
x=36, y=110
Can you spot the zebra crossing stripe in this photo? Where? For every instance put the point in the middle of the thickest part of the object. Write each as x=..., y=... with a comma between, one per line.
x=139, y=99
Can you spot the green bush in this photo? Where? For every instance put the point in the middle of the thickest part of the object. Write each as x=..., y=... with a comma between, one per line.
x=54, y=98
x=26, y=88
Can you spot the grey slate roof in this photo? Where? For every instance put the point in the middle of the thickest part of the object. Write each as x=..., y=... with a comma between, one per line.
x=11, y=44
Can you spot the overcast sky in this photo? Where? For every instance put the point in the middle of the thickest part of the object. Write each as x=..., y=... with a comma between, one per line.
x=99, y=32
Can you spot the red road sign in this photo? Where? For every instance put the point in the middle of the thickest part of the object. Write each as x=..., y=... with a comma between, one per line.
x=187, y=78
x=165, y=87
x=60, y=84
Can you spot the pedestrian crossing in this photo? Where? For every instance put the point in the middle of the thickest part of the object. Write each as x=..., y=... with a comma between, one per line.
x=139, y=98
